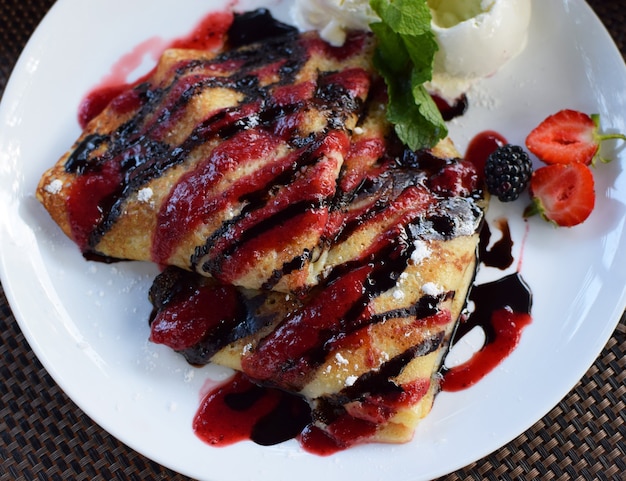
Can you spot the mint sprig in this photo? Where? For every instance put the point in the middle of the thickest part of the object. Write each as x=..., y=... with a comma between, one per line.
x=406, y=48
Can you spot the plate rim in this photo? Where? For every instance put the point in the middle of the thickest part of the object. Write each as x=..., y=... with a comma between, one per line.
x=12, y=297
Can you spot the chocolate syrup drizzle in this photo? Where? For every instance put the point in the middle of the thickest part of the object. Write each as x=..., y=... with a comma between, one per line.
x=338, y=307
x=141, y=158
x=425, y=195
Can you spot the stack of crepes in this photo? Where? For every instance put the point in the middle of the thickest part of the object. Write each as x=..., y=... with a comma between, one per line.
x=307, y=248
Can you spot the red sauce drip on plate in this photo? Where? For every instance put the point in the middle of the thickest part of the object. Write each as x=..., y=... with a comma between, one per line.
x=507, y=327
x=209, y=34
x=481, y=146
x=502, y=310
x=450, y=110
x=240, y=410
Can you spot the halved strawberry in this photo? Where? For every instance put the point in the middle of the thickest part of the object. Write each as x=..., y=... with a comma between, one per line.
x=568, y=137
x=562, y=193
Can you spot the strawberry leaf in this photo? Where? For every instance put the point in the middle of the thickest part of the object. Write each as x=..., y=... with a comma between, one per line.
x=600, y=137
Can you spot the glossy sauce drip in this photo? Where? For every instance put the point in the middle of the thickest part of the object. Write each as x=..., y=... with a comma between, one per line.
x=208, y=35
x=503, y=307
x=255, y=26
x=481, y=146
x=502, y=311
x=450, y=110
x=500, y=254
x=240, y=410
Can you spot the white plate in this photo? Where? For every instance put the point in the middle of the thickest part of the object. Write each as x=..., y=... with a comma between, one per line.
x=87, y=322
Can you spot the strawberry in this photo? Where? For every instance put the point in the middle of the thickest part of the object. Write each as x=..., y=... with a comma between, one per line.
x=562, y=193
x=567, y=137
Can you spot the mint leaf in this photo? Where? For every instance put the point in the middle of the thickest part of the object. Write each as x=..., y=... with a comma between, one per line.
x=421, y=50
x=404, y=57
x=413, y=113
x=391, y=56
x=406, y=17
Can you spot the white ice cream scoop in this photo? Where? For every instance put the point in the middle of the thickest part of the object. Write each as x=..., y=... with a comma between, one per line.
x=476, y=38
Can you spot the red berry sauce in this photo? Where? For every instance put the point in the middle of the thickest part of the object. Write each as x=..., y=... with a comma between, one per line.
x=210, y=34
x=287, y=198
x=481, y=146
x=240, y=410
x=198, y=319
x=450, y=110
x=502, y=310
x=337, y=311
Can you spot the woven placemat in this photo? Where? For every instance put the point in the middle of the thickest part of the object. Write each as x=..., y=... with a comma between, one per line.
x=45, y=436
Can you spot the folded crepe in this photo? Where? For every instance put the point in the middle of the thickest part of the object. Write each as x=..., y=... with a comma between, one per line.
x=307, y=247
x=363, y=345
x=223, y=164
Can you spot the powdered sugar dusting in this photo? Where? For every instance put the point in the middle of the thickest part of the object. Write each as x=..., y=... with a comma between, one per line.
x=54, y=187
x=145, y=194
x=340, y=359
x=431, y=289
x=421, y=251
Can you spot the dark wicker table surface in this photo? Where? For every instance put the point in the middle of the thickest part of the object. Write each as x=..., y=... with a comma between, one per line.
x=45, y=436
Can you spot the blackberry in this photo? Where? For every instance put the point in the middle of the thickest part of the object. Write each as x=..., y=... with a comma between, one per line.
x=507, y=172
